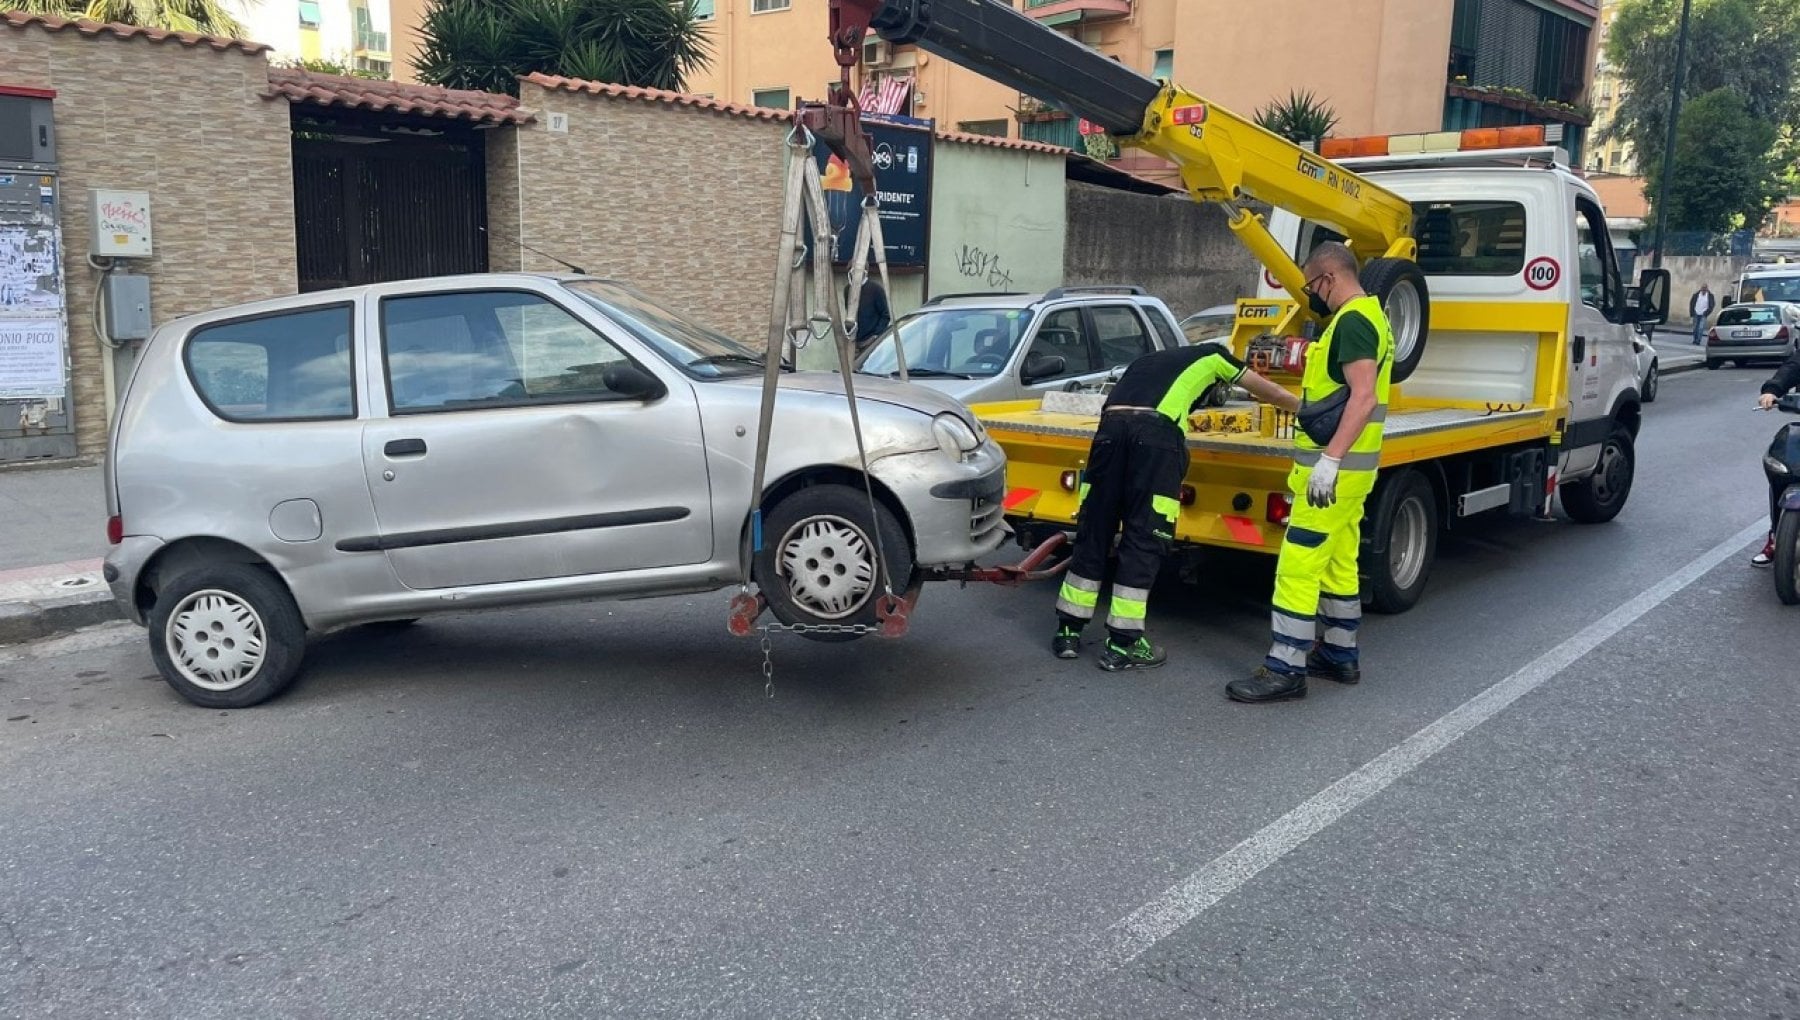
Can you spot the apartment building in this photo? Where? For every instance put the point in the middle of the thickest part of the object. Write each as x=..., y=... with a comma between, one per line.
x=1613, y=157
x=350, y=33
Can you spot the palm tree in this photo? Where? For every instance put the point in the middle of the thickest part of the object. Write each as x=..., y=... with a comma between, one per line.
x=206, y=17
x=487, y=45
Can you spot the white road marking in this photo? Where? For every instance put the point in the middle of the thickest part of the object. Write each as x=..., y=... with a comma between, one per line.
x=104, y=635
x=1128, y=939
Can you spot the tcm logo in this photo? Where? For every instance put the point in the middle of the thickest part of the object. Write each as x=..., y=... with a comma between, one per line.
x=1254, y=312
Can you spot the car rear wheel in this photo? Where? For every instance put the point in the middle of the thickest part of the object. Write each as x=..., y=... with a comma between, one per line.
x=820, y=565
x=1402, y=546
x=226, y=635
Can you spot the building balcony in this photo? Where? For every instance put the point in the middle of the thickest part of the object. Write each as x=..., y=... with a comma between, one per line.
x=1063, y=12
x=369, y=43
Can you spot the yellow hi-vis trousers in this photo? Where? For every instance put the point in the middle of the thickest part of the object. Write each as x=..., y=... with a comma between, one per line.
x=1316, y=583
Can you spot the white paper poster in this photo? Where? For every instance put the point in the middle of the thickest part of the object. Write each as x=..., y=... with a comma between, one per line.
x=31, y=358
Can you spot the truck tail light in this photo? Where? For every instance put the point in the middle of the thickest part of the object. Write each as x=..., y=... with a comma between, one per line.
x=1070, y=480
x=1281, y=506
x=115, y=530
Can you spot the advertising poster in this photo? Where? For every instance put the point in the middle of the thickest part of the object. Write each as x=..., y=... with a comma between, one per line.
x=903, y=178
x=31, y=359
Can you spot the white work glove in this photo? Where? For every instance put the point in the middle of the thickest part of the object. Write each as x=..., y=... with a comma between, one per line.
x=1321, y=488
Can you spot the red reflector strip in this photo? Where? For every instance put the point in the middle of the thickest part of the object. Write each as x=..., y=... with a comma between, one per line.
x=1189, y=114
x=1018, y=496
x=1243, y=530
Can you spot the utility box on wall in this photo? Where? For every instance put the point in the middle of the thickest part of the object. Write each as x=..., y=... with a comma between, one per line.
x=27, y=131
x=125, y=299
x=120, y=224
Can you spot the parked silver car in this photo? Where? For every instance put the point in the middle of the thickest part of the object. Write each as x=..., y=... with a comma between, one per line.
x=380, y=453
x=1761, y=331
x=981, y=348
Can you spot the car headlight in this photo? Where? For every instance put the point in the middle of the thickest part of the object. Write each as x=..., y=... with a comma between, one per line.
x=1774, y=466
x=954, y=436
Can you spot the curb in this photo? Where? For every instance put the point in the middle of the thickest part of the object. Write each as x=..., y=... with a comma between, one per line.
x=41, y=618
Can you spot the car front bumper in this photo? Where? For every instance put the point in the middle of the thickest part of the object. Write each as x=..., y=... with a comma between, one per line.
x=955, y=508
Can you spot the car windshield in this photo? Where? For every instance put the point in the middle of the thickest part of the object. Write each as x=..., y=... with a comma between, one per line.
x=1749, y=315
x=957, y=343
x=1770, y=288
x=695, y=349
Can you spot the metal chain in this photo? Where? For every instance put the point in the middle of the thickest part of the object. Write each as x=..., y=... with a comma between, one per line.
x=768, y=647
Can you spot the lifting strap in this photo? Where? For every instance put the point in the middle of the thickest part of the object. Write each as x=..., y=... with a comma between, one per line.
x=791, y=327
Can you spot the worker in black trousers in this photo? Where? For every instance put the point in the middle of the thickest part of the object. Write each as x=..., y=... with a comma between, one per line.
x=1131, y=490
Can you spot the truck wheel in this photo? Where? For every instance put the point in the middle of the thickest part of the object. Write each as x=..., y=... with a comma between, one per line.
x=1599, y=497
x=1400, y=287
x=819, y=565
x=1652, y=381
x=1402, y=542
x=226, y=635
x=1787, y=559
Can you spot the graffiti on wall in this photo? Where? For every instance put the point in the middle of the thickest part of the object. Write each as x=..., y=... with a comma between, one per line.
x=977, y=264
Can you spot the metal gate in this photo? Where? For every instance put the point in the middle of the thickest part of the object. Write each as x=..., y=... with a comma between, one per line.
x=374, y=207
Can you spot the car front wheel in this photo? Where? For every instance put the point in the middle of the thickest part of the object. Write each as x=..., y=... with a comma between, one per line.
x=821, y=567
x=226, y=635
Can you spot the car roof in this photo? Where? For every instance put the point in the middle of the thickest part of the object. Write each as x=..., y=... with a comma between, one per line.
x=313, y=298
x=1022, y=299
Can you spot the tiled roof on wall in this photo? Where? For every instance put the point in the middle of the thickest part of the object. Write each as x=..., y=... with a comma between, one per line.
x=96, y=29
x=394, y=97
x=648, y=95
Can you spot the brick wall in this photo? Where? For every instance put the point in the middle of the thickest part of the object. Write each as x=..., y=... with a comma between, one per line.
x=189, y=124
x=1178, y=249
x=681, y=202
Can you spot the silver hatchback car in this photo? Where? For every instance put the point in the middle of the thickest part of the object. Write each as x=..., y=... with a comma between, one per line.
x=376, y=454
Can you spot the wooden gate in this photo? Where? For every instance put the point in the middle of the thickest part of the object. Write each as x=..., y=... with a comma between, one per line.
x=378, y=207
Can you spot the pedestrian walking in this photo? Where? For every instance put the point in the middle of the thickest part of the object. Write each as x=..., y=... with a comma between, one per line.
x=1700, y=307
x=872, y=314
x=1316, y=584
x=1132, y=490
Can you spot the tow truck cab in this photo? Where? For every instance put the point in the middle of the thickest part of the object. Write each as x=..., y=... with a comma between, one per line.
x=1499, y=231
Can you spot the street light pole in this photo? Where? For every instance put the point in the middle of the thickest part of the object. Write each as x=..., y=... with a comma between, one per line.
x=1668, y=161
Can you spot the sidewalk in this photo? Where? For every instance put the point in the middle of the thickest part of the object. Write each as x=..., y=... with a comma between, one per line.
x=50, y=551
x=1675, y=351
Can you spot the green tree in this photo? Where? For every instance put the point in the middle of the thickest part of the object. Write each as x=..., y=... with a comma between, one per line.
x=1749, y=47
x=488, y=44
x=1725, y=172
x=1300, y=118
x=207, y=17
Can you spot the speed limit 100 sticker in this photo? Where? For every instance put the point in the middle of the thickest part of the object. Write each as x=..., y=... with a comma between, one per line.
x=1542, y=273
x=1269, y=276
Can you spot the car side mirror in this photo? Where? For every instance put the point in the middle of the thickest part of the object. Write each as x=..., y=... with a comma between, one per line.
x=1653, y=297
x=629, y=382
x=1039, y=367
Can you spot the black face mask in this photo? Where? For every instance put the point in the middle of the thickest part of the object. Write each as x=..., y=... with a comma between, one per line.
x=1317, y=304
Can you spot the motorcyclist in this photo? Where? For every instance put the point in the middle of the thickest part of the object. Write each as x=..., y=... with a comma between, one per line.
x=1785, y=380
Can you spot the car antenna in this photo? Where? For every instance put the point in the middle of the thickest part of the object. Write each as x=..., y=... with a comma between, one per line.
x=565, y=263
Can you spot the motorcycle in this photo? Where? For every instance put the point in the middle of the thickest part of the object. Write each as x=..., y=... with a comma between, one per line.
x=1782, y=464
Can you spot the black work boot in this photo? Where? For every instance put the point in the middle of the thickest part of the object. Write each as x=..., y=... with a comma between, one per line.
x=1266, y=685
x=1320, y=668
x=1067, y=642
x=1139, y=654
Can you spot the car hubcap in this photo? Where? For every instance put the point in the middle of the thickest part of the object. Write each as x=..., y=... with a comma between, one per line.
x=216, y=640
x=830, y=566
x=1609, y=478
x=1403, y=311
x=1406, y=547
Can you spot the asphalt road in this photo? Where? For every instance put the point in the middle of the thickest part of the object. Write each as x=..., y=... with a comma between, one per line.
x=595, y=810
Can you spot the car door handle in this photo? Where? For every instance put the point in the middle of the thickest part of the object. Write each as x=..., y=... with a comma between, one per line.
x=1579, y=348
x=404, y=448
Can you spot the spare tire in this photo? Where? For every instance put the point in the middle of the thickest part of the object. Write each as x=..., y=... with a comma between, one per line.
x=1399, y=284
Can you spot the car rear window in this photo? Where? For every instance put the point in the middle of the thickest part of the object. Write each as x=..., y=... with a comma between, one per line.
x=1470, y=238
x=1748, y=317
x=290, y=366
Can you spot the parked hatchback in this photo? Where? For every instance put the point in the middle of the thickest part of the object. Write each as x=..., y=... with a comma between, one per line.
x=377, y=454
x=1762, y=331
x=981, y=348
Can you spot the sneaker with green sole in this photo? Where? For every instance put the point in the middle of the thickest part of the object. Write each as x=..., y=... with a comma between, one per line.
x=1067, y=643
x=1140, y=654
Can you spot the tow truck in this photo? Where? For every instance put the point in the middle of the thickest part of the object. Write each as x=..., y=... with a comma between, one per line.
x=1525, y=390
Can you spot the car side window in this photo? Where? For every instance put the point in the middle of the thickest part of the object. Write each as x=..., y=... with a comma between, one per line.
x=447, y=352
x=1120, y=335
x=1165, y=333
x=1064, y=336
x=290, y=366
x=1599, y=280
